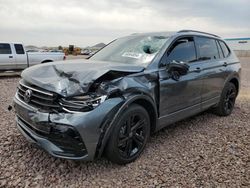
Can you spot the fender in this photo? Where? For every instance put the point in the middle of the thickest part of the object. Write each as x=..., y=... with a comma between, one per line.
x=234, y=75
x=125, y=105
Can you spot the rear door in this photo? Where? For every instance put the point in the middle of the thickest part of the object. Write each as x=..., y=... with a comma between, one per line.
x=7, y=59
x=21, y=57
x=213, y=69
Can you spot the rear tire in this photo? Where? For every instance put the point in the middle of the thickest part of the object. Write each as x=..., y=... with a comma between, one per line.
x=129, y=135
x=227, y=100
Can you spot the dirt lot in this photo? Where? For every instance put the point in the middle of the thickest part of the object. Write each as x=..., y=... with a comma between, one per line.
x=202, y=151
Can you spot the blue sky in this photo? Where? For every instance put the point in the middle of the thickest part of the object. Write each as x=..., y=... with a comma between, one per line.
x=83, y=23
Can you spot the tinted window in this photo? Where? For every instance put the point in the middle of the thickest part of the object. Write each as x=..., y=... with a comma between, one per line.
x=224, y=48
x=207, y=48
x=19, y=49
x=220, y=50
x=182, y=50
x=5, y=48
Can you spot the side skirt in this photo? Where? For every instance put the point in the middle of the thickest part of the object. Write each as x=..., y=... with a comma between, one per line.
x=184, y=113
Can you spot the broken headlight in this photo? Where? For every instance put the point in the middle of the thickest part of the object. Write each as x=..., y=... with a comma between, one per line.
x=81, y=103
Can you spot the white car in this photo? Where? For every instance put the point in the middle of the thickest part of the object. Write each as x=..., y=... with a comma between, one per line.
x=14, y=56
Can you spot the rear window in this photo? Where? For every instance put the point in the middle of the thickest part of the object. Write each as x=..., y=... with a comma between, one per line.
x=207, y=48
x=224, y=48
x=19, y=48
x=5, y=48
x=220, y=50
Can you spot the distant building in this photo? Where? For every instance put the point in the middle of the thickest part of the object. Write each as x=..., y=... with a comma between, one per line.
x=239, y=43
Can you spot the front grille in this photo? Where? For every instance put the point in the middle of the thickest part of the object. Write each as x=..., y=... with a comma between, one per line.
x=38, y=98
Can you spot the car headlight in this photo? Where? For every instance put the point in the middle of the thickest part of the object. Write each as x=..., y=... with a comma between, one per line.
x=81, y=103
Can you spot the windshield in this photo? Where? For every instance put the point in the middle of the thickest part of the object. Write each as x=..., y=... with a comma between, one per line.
x=131, y=50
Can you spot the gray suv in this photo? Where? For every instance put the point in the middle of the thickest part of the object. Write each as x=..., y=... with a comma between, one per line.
x=134, y=86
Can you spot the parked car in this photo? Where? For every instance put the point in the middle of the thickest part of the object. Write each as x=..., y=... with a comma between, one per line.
x=133, y=87
x=13, y=56
x=92, y=52
x=85, y=52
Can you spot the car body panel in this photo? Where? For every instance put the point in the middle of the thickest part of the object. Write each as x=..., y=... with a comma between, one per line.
x=179, y=99
x=183, y=93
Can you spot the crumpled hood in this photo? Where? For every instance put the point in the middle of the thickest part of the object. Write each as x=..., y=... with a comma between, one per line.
x=69, y=78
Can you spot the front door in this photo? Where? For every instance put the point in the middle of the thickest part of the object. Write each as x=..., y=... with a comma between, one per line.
x=180, y=98
x=7, y=59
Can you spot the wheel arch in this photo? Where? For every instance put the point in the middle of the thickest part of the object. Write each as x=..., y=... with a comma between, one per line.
x=47, y=61
x=140, y=99
x=150, y=108
x=235, y=81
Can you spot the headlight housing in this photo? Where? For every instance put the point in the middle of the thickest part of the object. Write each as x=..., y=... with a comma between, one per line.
x=81, y=103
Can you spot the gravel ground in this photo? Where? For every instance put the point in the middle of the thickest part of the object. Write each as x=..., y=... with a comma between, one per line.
x=202, y=151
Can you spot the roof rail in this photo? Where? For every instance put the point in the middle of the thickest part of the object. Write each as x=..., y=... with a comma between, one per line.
x=182, y=31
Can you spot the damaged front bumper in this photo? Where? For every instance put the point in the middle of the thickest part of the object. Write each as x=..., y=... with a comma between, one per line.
x=67, y=135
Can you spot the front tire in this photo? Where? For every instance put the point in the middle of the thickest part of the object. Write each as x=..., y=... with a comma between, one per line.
x=227, y=100
x=129, y=135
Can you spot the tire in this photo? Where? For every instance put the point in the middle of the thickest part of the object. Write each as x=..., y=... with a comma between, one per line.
x=129, y=135
x=227, y=100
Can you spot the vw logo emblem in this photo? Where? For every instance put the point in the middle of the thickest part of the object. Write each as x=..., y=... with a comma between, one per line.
x=27, y=95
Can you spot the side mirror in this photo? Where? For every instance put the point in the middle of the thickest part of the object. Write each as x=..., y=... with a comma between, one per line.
x=177, y=69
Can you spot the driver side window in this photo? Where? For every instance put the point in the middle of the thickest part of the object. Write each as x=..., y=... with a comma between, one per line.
x=182, y=50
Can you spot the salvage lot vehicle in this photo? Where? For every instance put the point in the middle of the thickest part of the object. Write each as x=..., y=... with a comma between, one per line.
x=134, y=86
x=13, y=56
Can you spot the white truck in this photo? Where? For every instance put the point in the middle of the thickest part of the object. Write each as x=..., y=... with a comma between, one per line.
x=13, y=56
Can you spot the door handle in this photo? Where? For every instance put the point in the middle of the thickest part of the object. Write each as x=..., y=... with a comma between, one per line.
x=225, y=64
x=10, y=56
x=197, y=69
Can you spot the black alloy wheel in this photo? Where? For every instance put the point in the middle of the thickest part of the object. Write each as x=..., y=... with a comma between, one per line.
x=227, y=101
x=230, y=100
x=130, y=135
